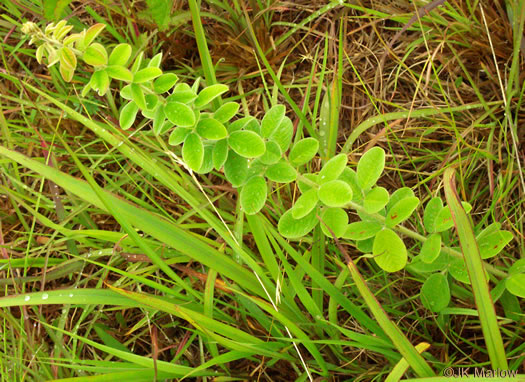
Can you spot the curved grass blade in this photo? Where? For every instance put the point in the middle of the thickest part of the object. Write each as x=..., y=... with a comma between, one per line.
x=476, y=272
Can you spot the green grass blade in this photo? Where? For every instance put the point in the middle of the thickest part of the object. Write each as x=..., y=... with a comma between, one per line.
x=69, y=296
x=151, y=224
x=476, y=272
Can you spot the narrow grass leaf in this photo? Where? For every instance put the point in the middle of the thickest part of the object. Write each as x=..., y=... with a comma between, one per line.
x=476, y=271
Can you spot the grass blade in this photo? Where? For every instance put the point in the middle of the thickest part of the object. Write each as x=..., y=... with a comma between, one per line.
x=476, y=272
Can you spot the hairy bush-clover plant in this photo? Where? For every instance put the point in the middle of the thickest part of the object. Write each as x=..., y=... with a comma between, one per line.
x=256, y=154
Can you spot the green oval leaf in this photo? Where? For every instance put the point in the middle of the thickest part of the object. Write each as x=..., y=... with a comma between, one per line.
x=247, y=144
x=67, y=58
x=362, y=230
x=220, y=153
x=333, y=168
x=164, y=83
x=435, y=293
x=515, y=284
x=335, y=193
x=137, y=63
x=281, y=172
x=158, y=120
x=146, y=74
x=517, y=267
x=236, y=169
x=492, y=244
x=138, y=96
x=179, y=114
x=209, y=93
x=193, y=151
x=431, y=212
x=119, y=73
x=120, y=55
x=128, y=115
x=389, y=251
x=207, y=161
x=370, y=167
x=349, y=176
x=95, y=55
x=303, y=151
x=92, y=33
x=398, y=195
x=431, y=248
x=292, y=228
x=226, y=112
x=282, y=135
x=336, y=219
x=375, y=200
x=272, y=154
x=100, y=81
x=271, y=120
x=182, y=93
x=457, y=269
x=401, y=211
x=210, y=128
x=178, y=135
x=253, y=195
x=305, y=204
